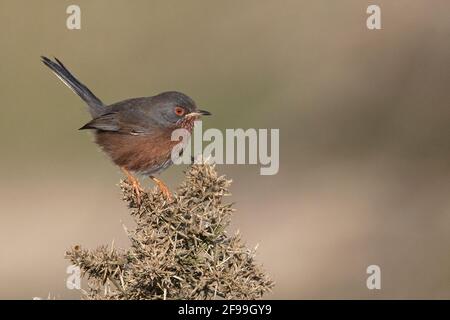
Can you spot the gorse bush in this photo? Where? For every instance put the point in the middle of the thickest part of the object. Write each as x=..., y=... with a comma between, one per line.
x=179, y=249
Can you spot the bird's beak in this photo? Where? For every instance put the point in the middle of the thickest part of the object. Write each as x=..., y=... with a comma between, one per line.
x=204, y=112
x=198, y=113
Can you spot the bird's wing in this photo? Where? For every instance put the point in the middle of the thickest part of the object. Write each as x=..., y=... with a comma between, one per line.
x=105, y=122
x=122, y=122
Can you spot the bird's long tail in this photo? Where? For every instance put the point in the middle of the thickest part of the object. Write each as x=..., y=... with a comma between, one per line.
x=96, y=106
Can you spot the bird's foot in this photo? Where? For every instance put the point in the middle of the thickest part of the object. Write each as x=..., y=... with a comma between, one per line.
x=138, y=190
x=162, y=187
x=135, y=185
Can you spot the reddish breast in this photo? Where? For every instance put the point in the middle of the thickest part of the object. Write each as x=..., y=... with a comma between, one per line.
x=137, y=153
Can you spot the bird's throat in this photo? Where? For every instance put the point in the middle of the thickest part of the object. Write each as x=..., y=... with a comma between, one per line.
x=187, y=123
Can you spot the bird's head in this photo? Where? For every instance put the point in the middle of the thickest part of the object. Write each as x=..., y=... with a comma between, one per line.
x=177, y=110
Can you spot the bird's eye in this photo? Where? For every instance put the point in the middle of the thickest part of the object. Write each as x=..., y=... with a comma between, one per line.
x=179, y=111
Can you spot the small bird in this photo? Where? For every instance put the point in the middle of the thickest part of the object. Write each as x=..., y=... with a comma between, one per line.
x=135, y=133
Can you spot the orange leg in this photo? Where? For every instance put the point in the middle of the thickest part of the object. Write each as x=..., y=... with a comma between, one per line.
x=135, y=184
x=165, y=191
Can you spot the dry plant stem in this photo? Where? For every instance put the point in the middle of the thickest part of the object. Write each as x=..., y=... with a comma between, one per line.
x=180, y=249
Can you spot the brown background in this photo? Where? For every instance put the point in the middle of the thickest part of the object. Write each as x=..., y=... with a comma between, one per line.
x=363, y=118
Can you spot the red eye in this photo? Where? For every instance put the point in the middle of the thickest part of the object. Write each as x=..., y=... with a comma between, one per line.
x=179, y=111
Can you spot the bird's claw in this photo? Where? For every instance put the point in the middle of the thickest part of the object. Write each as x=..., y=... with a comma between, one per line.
x=138, y=190
x=163, y=188
x=166, y=192
x=135, y=185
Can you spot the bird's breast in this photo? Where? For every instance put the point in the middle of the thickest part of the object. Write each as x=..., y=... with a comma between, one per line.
x=139, y=153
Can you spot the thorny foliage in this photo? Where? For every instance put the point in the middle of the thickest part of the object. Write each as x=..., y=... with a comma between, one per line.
x=179, y=249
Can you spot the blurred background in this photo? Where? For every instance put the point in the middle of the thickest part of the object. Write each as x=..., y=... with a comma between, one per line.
x=364, y=134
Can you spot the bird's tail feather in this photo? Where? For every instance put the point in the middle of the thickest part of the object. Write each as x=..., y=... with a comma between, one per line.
x=96, y=106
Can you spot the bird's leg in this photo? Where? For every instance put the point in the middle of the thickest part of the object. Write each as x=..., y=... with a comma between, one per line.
x=135, y=184
x=165, y=191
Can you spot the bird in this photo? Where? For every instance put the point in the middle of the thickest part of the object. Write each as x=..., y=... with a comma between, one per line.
x=135, y=133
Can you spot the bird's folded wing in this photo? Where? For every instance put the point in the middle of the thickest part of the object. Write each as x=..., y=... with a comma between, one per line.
x=105, y=122
x=120, y=122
